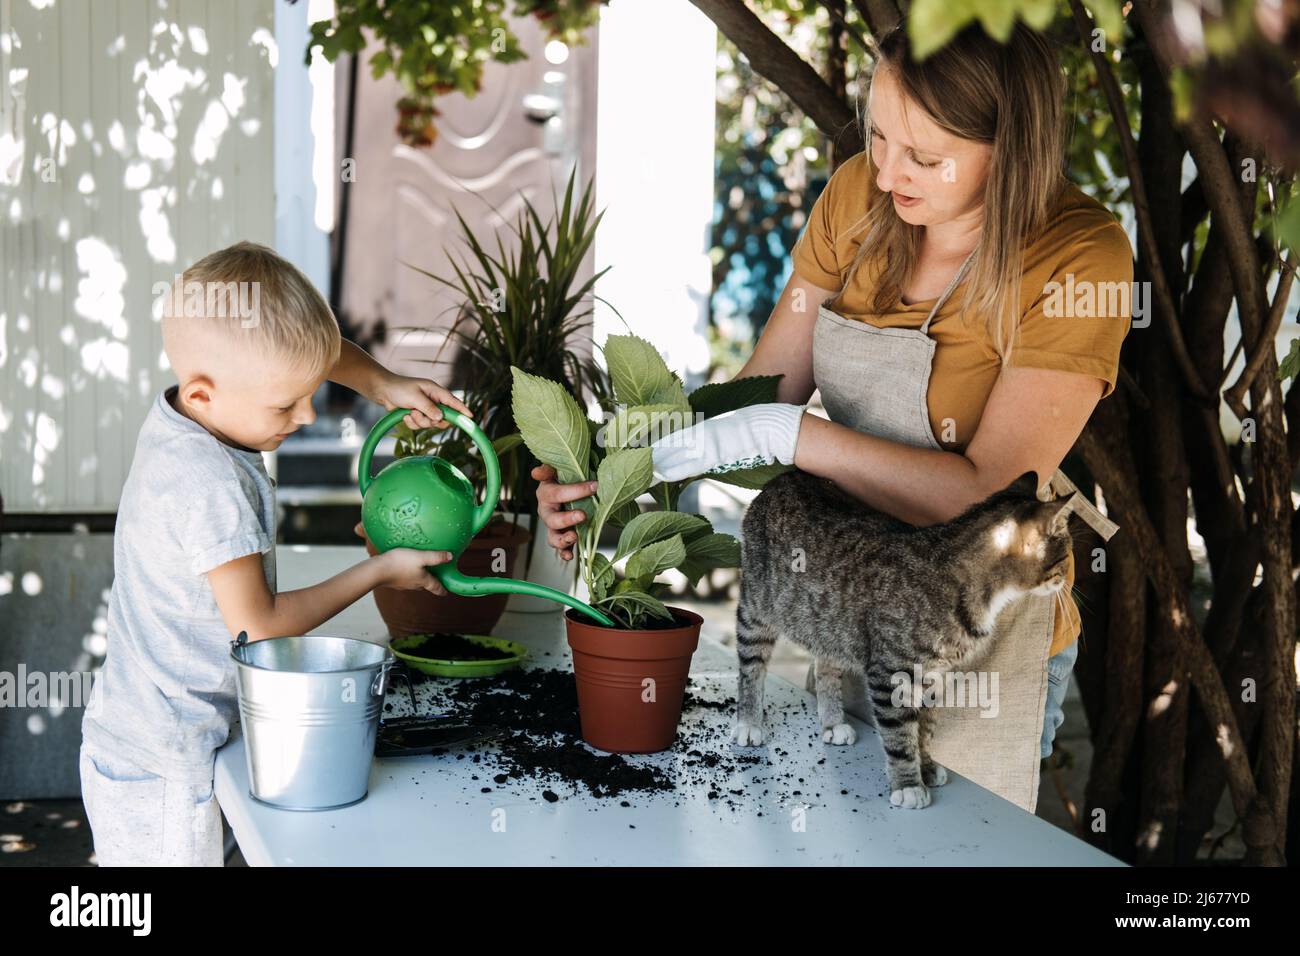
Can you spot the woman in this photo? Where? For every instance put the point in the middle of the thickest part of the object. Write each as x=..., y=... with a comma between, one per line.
x=937, y=338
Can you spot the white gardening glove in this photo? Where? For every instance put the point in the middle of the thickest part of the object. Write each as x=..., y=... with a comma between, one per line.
x=744, y=438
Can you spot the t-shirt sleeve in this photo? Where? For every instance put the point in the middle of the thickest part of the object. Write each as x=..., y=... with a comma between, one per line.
x=815, y=256
x=222, y=522
x=1078, y=322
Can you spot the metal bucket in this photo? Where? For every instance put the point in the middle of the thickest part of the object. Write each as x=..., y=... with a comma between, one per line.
x=310, y=708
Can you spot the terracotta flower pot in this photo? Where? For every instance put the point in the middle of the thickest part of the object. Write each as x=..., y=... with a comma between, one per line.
x=631, y=683
x=421, y=612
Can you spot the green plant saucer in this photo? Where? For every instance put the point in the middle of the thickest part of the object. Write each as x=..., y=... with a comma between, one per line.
x=457, y=668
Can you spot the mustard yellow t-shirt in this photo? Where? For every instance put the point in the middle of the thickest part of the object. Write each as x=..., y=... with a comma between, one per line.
x=1076, y=278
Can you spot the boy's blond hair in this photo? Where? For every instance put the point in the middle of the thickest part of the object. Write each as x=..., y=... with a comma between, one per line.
x=253, y=298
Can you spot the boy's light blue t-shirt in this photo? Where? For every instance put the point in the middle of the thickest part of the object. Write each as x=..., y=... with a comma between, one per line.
x=165, y=696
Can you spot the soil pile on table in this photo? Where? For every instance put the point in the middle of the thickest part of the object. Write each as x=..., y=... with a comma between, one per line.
x=539, y=709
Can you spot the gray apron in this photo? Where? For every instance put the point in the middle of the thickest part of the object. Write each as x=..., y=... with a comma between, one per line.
x=877, y=381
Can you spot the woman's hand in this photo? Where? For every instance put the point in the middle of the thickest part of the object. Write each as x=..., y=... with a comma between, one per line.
x=559, y=523
x=745, y=438
x=421, y=395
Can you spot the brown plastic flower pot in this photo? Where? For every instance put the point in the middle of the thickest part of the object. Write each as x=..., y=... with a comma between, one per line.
x=631, y=683
x=408, y=612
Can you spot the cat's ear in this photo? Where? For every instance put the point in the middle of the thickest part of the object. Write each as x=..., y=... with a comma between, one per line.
x=1026, y=485
x=1057, y=514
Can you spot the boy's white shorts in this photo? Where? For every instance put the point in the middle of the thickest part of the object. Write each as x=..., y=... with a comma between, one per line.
x=141, y=819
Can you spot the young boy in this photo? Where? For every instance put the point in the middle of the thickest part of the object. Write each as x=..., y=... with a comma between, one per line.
x=250, y=340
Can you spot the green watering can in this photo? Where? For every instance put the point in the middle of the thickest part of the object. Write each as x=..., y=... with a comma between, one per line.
x=427, y=503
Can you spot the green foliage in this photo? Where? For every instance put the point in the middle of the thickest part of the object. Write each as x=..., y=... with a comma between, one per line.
x=649, y=402
x=435, y=47
x=1289, y=367
x=932, y=23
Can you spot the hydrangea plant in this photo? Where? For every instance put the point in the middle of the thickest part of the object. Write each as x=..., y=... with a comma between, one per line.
x=650, y=402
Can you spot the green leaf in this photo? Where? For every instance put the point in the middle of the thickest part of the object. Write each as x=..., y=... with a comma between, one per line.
x=640, y=603
x=641, y=583
x=1183, y=87
x=1109, y=17
x=753, y=478
x=624, y=474
x=656, y=557
x=1038, y=13
x=932, y=23
x=380, y=64
x=507, y=443
x=639, y=374
x=552, y=425
x=706, y=553
x=652, y=526
x=718, y=397
x=700, y=532
x=997, y=17
x=637, y=424
x=674, y=394
x=1288, y=225
x=602, y=577
x=1289, y=367
x=624, y=514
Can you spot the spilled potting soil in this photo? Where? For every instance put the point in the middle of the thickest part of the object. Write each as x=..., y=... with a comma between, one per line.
x=543, y=752
x=446, y=646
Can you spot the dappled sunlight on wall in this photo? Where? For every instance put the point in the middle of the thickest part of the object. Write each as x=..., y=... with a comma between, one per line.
x=135, y=136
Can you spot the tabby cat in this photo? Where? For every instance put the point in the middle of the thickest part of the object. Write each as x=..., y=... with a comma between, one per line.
x=865, y=592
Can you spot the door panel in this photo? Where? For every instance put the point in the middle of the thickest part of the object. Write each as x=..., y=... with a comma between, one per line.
x=488, y=155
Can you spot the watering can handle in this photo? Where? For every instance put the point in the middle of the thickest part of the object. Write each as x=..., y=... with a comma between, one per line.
x=491, y=467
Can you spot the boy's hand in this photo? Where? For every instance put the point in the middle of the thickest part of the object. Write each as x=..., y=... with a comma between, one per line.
x=407, y=569
x=421, y=395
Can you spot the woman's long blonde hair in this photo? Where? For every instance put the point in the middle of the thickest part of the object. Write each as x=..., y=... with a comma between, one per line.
x=1009, y=96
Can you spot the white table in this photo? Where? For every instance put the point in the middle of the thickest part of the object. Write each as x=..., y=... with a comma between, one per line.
x=427, y=811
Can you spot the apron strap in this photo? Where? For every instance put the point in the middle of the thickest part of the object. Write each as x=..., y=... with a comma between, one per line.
x=952, y=284
x=1061, y=486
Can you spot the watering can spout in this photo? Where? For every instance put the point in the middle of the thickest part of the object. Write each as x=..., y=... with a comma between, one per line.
x=425, y=502
x=457, y=583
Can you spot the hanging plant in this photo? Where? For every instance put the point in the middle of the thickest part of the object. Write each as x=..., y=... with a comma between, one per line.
x=434, y=47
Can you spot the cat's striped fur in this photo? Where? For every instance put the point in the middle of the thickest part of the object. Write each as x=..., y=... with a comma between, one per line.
x=865, y=592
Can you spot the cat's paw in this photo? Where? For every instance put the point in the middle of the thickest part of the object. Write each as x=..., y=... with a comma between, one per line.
x=934, y=775
x=839, y=734
x=910, y=798
x=747, y=734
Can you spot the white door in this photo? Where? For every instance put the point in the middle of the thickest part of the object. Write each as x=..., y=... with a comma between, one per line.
x=488, y=156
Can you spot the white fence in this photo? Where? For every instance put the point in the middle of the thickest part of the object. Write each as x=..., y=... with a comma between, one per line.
x=135, y=136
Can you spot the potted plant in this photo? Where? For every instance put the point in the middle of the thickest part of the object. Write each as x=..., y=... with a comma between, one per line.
x=526, y=309
x=631, y=678
x=492, y=551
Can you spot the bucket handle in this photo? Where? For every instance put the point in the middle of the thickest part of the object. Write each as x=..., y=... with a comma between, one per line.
x=377, y=684
x=399, y=669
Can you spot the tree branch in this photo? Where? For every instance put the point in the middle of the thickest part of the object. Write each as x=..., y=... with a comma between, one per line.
x=1146, y=227
x=866, y=43
x=1111, y=463
x=880, y=16
x=772, y=58
x=1221, y=190
x=1265, y=343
